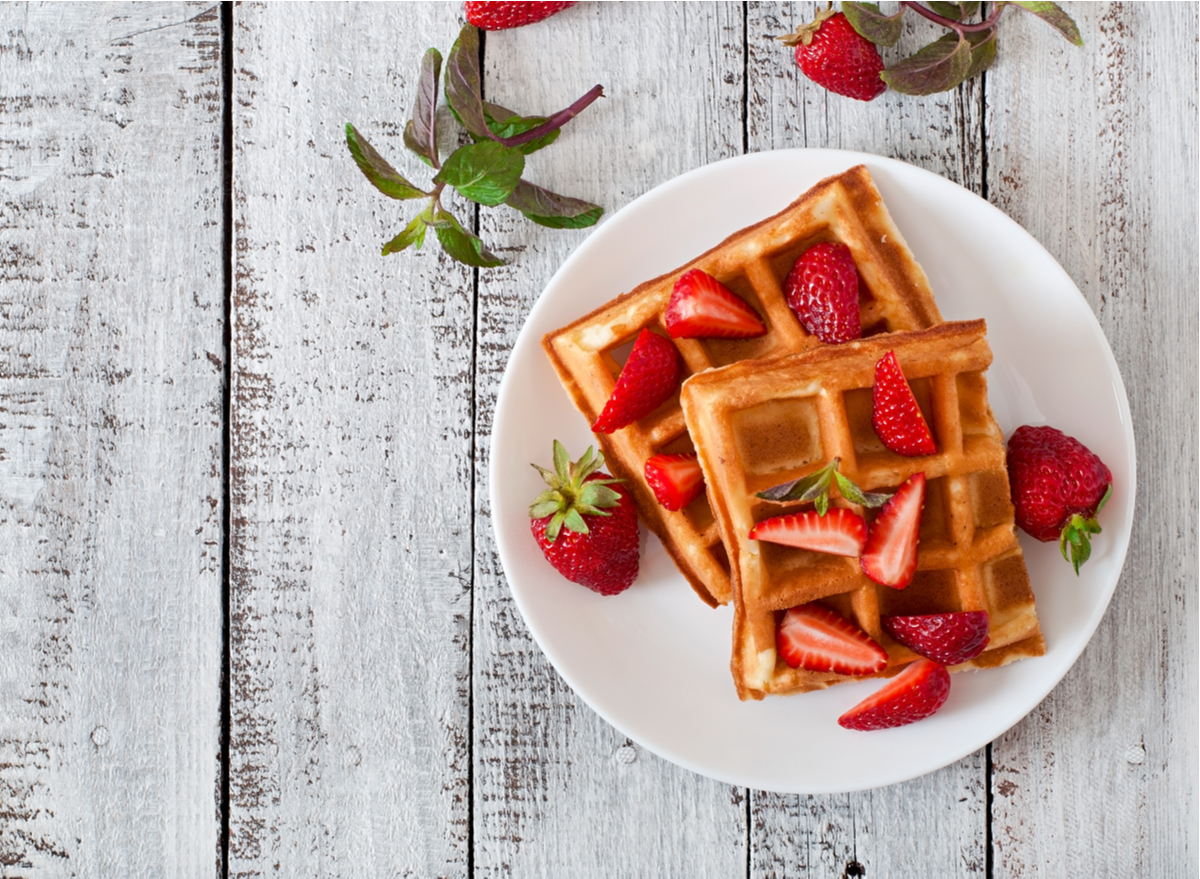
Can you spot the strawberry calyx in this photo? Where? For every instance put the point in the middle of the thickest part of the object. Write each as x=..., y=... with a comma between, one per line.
x=573, y=492
x=1077, y=534
x=815, y=487
x=805, y=33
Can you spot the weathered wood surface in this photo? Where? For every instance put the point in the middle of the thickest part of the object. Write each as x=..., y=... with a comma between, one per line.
x=1101, y=779
x=111, y=364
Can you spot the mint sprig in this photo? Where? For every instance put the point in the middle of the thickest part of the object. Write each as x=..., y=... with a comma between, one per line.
x=948, y=61
x=814, y=488
x=487, y=171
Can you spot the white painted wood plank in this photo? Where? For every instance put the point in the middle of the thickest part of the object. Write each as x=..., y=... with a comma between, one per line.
x=1101, y=779
x=558, y=792
x=936, y=825
x=110, y=439
x=351, y=473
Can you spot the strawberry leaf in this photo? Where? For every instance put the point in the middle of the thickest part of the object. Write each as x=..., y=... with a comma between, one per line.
x=550, y=209
x=485, y=172
x=463, y=89
x=420, y=132
x=883, y=30
x=983, y=51
x=938, y=67
x=505, y=123
x=1053, y=15
x=375, y=167
x=461, y=244
x=413, y=234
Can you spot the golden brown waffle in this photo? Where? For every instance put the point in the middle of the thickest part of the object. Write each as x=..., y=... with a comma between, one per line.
x=762, y=423
x=754, y=262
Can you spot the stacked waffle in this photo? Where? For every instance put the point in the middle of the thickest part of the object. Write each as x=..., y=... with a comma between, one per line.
x=766, y=410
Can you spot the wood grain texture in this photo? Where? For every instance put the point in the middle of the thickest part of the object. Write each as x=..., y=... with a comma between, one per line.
x=1101, y=779
x=558, y=792
x=111, y=366
x=938, y=821
x=351, y=470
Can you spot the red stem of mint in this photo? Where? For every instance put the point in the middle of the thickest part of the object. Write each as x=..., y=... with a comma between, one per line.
x=558, y=120
x=956, y=26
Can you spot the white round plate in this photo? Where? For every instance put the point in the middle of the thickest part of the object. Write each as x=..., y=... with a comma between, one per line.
x=654, y=661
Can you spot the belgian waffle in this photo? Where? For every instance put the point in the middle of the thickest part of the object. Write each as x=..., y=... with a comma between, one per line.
x=762, y=423
x=894, y=295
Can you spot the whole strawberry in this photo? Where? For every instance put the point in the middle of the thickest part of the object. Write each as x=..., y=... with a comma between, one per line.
x=1058, y=486
x=500, y=16
x=834, y=55
x=822, y=288
x=587, y=530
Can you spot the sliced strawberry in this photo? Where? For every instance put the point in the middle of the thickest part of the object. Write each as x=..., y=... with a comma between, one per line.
x=895, y=415
x=651, y=374
x=822, y=288
x=914, y=694
x=675, y=479
x=948, y=638
x=815, y=638
x=838, y=532
x=890, y=556
x=702, y=307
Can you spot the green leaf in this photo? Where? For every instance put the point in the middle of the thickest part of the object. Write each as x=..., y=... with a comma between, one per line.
x=574, y=521
x=461, y=244
x=486, y=172
x=883, y=30
x=938, y=67
x=463, y=90
x=948, y=10
x=505, y=123
x=983, y=51
x=562, y=461
x=550, y=209
x=414, y=233
x=806, y=488
x=1053, y=15
x=383, y=176
x=856, y=495
x=420, y=134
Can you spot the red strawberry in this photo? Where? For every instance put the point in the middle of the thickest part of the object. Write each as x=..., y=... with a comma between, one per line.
x=499, y=16
x=895, y=415
x=838, y=532
x=822, y=288
x=702, y=307
x=914, y=694
x=815, y=638
x=599, y=545
x=675, y=479
x=651, y=374
x=1058, y=487
x=834, y=55
x=890, y=556
x=948, y=638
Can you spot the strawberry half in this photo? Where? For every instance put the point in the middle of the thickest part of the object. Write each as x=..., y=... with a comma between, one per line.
x=651, y=374
x=890, y=556
x=701, y=307
x=815, y=638
x=499, y=15
x=948, y=638
x=675, y=479
x=895, y=415
x=914, y=694
x=822, y=288
x=838, y=532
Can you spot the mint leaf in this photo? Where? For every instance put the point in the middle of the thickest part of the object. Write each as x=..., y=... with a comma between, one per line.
x=485, y=172
x=547, y=208
x=414, y=233
x=461, y=244
x=883, y=30
x=383, y=176
x=463, y=89
x=420, y=132
x=983, y=51
x=505, y=124
x=1053, y=15
x=938, y=67
x=950, y=10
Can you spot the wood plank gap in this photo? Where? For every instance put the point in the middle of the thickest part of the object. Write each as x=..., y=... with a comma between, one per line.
x=987, y=793
x=226, y=404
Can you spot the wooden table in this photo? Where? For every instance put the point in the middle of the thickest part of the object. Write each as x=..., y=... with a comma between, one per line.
x=252, y=621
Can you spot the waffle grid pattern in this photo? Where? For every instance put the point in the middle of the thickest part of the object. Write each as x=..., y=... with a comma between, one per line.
x=815, y=406
x=754, y=263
